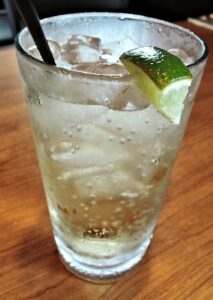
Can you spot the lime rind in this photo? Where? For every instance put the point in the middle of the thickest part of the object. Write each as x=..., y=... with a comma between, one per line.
x=160, y=65
x=162, y=78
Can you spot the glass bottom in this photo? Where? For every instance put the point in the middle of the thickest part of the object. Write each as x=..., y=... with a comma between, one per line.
x=100, y=272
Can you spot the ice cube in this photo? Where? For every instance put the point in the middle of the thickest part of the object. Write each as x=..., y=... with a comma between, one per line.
x=61, y=62
x=102, y=68
x=110, y=59
x=65, y=116
x=114, y=184
x=85, y=67
x=90, y=41
x=110, y=69
x=107, y=57
x=79, y=54
x=139, y=127
x=129, y=99
x=102, y=169
x=101, y=166
x=88, y=155
x=186, y=59
x=33, y=51
x=81, y=49
x=120, y=46
x=54, y=48
x=94, y=91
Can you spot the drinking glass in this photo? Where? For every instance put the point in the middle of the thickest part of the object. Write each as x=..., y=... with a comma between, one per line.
x=105, y=155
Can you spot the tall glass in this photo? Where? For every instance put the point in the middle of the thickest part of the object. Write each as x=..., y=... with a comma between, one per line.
x=105, y=155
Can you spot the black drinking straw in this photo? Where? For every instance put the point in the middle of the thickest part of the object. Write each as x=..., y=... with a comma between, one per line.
x=29, y=15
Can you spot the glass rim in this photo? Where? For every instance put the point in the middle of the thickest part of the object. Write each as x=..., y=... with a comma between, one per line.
x=125, y=16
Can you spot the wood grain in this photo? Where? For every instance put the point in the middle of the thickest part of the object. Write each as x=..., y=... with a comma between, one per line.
x=179, y=263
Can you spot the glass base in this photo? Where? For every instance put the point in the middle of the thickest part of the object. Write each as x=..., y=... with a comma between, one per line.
x=100, y=272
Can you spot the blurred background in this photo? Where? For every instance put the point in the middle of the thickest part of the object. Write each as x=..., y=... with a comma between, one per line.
x=170, y=10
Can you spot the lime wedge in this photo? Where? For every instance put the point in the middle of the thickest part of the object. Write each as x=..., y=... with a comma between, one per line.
x=162, y=78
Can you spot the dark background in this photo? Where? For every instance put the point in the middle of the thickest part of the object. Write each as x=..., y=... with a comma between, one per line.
x=170, y=10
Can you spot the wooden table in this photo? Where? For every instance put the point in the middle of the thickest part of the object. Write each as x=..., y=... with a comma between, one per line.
x=179, y=262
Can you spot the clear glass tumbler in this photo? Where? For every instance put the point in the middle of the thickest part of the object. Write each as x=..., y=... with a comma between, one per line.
x=105, y=155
